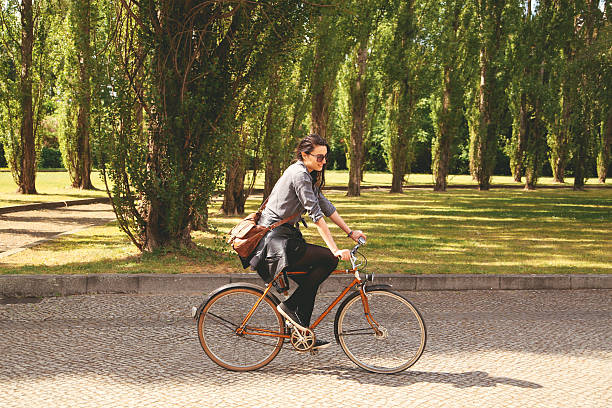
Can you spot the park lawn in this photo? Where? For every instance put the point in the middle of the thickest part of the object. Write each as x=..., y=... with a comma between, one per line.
x=50, y=185
x=416, y=232
x=334, y=178
x=55, y=185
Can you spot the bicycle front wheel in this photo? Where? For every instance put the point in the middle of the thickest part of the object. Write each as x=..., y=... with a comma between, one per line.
x=222, y=316
x=398, y=341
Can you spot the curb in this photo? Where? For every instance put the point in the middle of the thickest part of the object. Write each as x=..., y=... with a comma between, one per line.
x=147, y=284
x=55, y=204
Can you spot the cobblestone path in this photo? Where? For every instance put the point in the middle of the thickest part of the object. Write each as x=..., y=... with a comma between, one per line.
x=25, y=228
x=485, y=349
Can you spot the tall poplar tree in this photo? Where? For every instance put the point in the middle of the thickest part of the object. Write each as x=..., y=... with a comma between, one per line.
x=488, y=102
x=364, y=21
x=78, y=74
x=447, y=109
x=329, y=48
x=25, y=67
x=405, y=77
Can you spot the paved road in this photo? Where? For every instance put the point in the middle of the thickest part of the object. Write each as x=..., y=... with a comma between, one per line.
x=485, y=348
x=26, y=228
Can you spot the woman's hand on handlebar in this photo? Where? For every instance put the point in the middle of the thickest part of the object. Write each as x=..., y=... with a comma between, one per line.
x=356, y=234
x=343, y=254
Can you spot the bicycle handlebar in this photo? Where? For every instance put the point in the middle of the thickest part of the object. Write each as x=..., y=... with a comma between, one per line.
x=361, y=241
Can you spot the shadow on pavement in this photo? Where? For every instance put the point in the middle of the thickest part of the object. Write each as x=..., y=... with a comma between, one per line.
x=407, y=378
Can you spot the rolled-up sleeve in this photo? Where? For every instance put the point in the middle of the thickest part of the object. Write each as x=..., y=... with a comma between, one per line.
x=302, y=184
x=326, y=206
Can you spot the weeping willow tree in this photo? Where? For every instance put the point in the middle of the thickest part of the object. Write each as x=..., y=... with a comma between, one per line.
x=184, y=62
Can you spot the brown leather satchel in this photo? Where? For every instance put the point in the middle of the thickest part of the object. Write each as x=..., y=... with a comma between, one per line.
x=245, y=236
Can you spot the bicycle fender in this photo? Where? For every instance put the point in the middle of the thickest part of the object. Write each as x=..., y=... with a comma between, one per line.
x=215, y=292
x=351, y=296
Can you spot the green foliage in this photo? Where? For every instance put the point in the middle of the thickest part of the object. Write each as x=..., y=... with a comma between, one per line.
x=186, y=77
x=42, y=73
x=50, y=158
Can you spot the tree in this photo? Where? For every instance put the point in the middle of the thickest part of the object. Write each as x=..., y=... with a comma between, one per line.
x=79, y=58
x=406, y=79
x=363, y=23
x=604, y=52
x=447, y=111
x=329, y=49
x=487, y=103
x=196, y=57
x=587, y=27
x=25, y=68
x=528, y=92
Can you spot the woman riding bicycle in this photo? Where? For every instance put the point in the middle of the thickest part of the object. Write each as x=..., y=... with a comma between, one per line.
x=284, y=249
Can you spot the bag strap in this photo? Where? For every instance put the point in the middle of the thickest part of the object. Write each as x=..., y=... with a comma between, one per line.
x=263, y=205
x=277, y=223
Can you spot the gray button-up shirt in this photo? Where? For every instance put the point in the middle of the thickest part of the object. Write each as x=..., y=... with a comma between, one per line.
x=294, y=193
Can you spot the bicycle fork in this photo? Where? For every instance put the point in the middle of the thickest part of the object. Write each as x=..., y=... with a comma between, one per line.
x=366, y=310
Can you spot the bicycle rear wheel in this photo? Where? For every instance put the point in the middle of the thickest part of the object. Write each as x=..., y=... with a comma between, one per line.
x=223, y=315
x=401, y=338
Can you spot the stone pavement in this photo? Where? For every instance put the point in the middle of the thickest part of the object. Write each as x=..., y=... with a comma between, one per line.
x=485, y=348
x=28, y=228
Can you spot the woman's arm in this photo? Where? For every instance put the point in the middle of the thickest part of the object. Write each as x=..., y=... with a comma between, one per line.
x=344, y=254
x=355, y=234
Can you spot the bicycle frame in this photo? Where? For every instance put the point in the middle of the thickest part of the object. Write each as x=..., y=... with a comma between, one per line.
x=356, y=281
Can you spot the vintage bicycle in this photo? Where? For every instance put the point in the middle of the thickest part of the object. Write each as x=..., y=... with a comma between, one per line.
x=379, y=329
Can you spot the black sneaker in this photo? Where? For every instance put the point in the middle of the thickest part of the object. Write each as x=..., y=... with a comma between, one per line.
x=291, y=316
x=320, y=345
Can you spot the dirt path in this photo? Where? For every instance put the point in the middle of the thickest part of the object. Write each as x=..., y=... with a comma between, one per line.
x=29, y=228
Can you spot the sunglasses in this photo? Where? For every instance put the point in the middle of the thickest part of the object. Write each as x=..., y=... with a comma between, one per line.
x=320, y=157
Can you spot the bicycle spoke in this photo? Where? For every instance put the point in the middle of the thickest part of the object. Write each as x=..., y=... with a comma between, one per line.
x=396, y=343
x=352, y=332
x=233, y=326
x=240, y=351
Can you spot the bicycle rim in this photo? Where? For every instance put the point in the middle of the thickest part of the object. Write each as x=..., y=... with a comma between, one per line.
x=224, y=314
x=401, y=339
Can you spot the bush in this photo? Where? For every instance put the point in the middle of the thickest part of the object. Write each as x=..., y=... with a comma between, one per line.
x=50, y=158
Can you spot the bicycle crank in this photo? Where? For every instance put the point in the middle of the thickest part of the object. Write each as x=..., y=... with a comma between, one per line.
x=302, y=340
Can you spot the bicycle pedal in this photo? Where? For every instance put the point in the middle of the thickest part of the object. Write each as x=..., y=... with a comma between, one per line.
x=314, y=352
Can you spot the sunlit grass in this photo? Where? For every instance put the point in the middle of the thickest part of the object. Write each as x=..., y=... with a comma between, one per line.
x=416, y=232
x=50, y=185
x=55, y=185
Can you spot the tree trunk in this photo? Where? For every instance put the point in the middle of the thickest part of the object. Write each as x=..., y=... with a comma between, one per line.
x=234, y=197
x=322, y=89
x=441, y=158
x=517, y=162
x=272, y=138
x=481, y=143
x=603, y=158
x=82, y=177
x=273, y=172
x=27, y=175
x=359, y=99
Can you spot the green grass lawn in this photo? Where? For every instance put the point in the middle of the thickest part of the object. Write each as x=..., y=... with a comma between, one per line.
x=50, y=185
x=55, y=185
x=341, y=177
x=417, y=232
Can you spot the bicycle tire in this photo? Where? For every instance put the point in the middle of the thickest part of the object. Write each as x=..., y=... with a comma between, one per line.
x=224, y=313
x=404, y=332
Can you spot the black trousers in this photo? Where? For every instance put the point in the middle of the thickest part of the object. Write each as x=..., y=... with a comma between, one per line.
x=319, y=263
